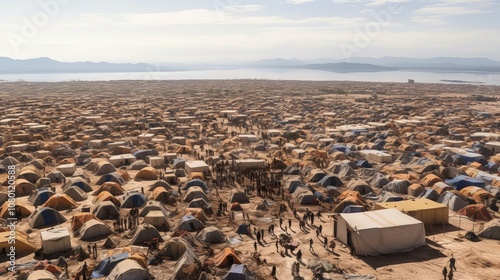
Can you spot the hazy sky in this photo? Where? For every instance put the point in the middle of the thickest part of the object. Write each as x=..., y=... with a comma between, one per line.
x=237, y=30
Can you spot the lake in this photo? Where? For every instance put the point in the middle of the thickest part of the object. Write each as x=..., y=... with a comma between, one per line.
x=270, y=74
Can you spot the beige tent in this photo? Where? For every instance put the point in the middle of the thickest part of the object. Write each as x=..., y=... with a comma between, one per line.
x=60, y=202
x=129, y=269
x=79, y=219
x=4, y=213
x=23, y=245
x=147, y=173
x=111, y=187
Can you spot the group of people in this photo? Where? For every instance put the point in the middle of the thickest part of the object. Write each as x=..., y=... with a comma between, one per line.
x=92, y=248
x=127, y=223
x=452, y=268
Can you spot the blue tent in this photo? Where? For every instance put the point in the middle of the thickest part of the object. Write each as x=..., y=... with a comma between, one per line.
x=243, y=229
x=198, y=183
x=470, y=157
x=107, y=265
x=133, y=200
x=330, y=180
x=462, y=181
x=111, y=177
x=142, y=154
x=353, y=209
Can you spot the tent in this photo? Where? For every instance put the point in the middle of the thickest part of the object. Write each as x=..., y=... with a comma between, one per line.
x=353, y=209
x=330, y=180
x=158, y=219
x=104, y=167
x=106, y=266
x=23, y=187
x=315, y=175
x=29, y=173
x=160, y=183
x=243, y=229
x=132, y=199
x=40, y=196
x=144, y=233
x=56, y=177
x=76, y=193
x=202, y=204
x=477, y=212
x=238, y=272
x=342, y=170
x=379, y=232
x=45, y=217
x=186, y=266
x=197, y=213
x=175, y=248
x=430, y=194
x=479, y=195
x=195, y=192
x=491, y=230
x=147, y=173
x=55, y=240
x=161, y=194
x=307, y=198
x=79, y=182
x=190, y=223
x=238, y=196
x=60, y=202
x=112, y=177
x=106, y=196
x=378, y=180
x=111, y=187
x=291, y=184
x=441, y=187
x=152, y=206
x=453, y=201
x=5, y=213
x=397, y=186
x=41, y=275
x=129, y=270
x=9, y=161
x=424, y=210
x=138, y=165
x=350, y=200
x=79, y=219
x=359, y=185
x=23, y=245
x=196, y=182
x=94, y=230
x=226, y=257
x=211, y=235
x=429, y=180
x=106, y=210
x=462, y=181
x=386, y=196
x=415, y=190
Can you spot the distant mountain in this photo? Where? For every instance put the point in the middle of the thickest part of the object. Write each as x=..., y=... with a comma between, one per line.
x=47, y=65
x=344, y=67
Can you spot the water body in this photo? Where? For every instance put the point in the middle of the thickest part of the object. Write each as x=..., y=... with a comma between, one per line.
x=478, y=78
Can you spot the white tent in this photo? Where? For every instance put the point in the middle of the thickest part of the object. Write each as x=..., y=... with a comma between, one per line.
x=380, y=232
x=55, y=240
x=128, y=270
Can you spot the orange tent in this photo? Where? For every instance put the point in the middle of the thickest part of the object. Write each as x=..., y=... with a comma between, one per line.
x=226, y=257
x=476, y=193
x=81, y=218
x=111, y=187
x=147, y=173
x=351, y=193
x=60, y=202
x=350, y=200
x=106, y=196
x=4, y=213
x=429, y=180
x=476, y=211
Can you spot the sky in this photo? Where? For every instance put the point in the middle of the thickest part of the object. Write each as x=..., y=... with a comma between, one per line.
x=194, y=31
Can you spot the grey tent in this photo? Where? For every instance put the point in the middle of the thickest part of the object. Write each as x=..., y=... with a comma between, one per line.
x=40, y=196
x=104, y=168
x=56, y=176
x=45, y=217
x=9, y=161
x=238, y=196
x=211, y=235
x=153, y=206
x=76, y=193
x=195, y=192
x=342, y=170
x=429, y=194
x=202, y=204
x=79, y=182
x=306, y=198
x=158, y=219
x=106, y=210
x=94, y=230
x=186, y=266
x=132, y=199
x=238, y=272
x=359, y=185
x=111, y=177
x=378, y=180
x=454, y=202
x=397, y=186
x=144, y=233
x=190, y=223
x=175, y=248
x=109, y=243
x=491, y=230
x=138, y=165
x=160, y=183
x=292, y=183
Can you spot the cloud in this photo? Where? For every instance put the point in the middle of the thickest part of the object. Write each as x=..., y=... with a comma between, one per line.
x=298, y=2
x=370, y=2
x=438, y=11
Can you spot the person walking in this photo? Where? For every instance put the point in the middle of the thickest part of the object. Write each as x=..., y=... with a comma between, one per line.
x=273, y=272
x=333, y=245
x=450, y=275
x=452, y=264
x=445, y=272
x=255, y=246
x=277, y=243
x=299, y=255
x=310, y=243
